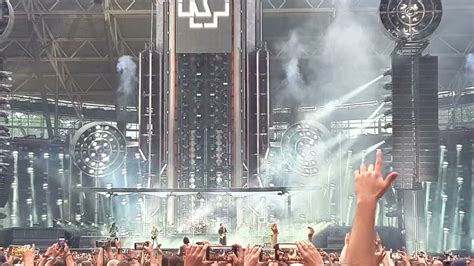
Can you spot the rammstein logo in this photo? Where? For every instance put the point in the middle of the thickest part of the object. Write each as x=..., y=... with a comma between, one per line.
x=194, y=13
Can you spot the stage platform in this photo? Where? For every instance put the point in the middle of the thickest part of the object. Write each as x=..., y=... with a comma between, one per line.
x=167, y=192
x=331, y=238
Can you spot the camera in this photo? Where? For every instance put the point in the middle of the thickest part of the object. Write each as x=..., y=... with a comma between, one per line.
x=141, y=245
x=220, y=253
x=288, y=253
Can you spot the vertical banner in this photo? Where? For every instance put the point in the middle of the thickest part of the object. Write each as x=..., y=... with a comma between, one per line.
x=203, y=26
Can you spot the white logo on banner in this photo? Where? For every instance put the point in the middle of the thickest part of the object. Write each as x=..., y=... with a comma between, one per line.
x=194, y=13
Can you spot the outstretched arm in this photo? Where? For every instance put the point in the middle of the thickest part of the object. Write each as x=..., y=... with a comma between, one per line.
x=369, y=187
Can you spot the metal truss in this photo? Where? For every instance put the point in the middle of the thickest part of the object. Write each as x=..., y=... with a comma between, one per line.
x=66, y=61
x=80, y=66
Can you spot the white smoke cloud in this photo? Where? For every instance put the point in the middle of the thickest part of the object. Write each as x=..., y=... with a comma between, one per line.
x=470, y=68
x=127, y=70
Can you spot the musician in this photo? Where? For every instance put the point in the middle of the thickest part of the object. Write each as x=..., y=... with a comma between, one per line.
x=113, y=230
x=222, y=235
x=184, y=246
x=274, y=234
x=154, y=235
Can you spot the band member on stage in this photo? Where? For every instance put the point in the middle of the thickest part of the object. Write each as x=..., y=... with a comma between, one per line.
x=184, y=246
x=222, y=235
x=274, y=234
x=113, y=230
x=154, y=235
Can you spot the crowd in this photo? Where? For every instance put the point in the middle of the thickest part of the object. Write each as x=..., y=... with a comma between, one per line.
x=361, y=247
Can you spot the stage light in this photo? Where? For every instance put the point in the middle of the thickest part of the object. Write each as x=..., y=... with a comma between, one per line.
x=99, y=149
x=458, y=147
x=410, y=21
x=387, y=126
x=388, y=112
x=45, y=186
x=388, y=86
x=387, y=72
x=29, y=201
x=124, y=201
x=387, y=99
x=46, y=155
x=108, y=186
x=59, y=202
x=302, y=147
x=460, y=181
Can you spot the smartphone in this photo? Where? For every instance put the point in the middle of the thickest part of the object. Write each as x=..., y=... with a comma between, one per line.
x=267, y=255
x=220, y=253
x=61, y=243
x=101, y=243
x=288, y=253
x=140, y=245
x=113, y=242
x=395, y=256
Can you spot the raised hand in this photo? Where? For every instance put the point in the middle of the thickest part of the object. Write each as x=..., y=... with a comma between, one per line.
x=369, y=182
x=369, y=187
x=309, y=253
x=29, y=256
x=195, y=255
x=238, y=260
x=252, y=255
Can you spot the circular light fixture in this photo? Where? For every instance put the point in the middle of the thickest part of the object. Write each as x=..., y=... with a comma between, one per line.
x=7, y=19
x=99, y=149
x=410, y=20
x=302, y=147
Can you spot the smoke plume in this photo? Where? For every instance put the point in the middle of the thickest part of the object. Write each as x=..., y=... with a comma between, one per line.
x=470, y=68
x=127, y=70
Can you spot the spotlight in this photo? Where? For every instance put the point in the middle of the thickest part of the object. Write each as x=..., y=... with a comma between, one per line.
x=387, y=72
x=387, y=126
x=388, y=86
x=387, y=99
x=7, y=75
x=388, y=112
